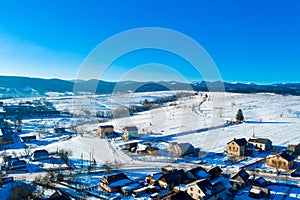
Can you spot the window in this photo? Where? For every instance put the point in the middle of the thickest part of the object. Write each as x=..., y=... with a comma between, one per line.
x=191, y=188
x=199, y=191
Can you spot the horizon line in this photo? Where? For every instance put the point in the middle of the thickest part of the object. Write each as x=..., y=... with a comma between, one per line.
x=155, y=81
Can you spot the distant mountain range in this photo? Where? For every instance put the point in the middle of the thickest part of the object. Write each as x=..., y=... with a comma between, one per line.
x=11, y=86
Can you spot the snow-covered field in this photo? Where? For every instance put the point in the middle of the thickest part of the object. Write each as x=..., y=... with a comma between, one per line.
x=267, y=115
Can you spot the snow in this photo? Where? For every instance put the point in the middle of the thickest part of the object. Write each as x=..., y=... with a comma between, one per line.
x=267, y=116
x=88, y=146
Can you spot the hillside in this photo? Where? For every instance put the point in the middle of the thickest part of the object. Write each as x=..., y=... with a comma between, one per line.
x=12, y=87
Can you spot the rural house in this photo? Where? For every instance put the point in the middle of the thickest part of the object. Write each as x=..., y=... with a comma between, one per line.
x=181, y=149
x=198, y=173
x=239, y=147
x=153, y=178
x=114, y=183
x=259, y=189
x=200, y=189
x=29, y=138
x=105, y=131
x=18, y=164
x=282, y=160
x=59, y=130
x=40, y=155
x=170, y=180
x=294, y=148
x=240, y=179
x=263, y=144
x=215, y=172
x=130, y=132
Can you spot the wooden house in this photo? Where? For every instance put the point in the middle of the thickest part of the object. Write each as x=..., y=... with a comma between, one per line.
x=29, y=138
x=153, y=178
x=18, y=164
x=282, y=161
x=170, y=180
x=115, y=182
x=181, y=149
x=215, y=172
x=262, y=144
x=105, y=131
x=40, y=155
x=198, y=173
x=200, y=189
x=259, y=192
x=130, y=132
x=240, y=180
x=129, y=189
x=239, y=147
x=294, y=148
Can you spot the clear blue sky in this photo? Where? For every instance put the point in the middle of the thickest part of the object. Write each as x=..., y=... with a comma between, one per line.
x=250, y=41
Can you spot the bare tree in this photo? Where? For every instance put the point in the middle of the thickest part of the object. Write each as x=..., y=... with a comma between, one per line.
x=65, y=155
x=23, y=191
x=107, y=167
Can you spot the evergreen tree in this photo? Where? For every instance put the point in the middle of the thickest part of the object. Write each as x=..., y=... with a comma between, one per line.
x=240, y=116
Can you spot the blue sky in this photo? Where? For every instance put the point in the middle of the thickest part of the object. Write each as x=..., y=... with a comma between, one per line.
x=249, y=41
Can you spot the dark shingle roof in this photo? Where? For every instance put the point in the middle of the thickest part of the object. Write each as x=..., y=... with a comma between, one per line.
x=176, y=177
x=261, y=182
x=215, y=170
x=185, y=146
x=240, y=142
x=180, y=196
x=130, y=128
x=218, y=187
x=41, y=152
x=243, y=174
x=116, y=177
x=106, y=126
x=199, y=173
x=259, y=140
x=287, y=157
x=204, y=184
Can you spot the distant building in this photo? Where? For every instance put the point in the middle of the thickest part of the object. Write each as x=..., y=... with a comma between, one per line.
x=114, y=183
x=128, y=189
x=105, y=130
x=181, y=149
x=6, y=136
x=153, y=178
x=30, y=138
x=172, y=179
x=18, y=164
x=40, y=155
x=294, y=148
x=59, y=130
x=200, y=189
x=259, y=189
x=130, y=132
x=239, y=147
x=240, y=180
x=198, y=173
x=215, y=172
x=263, y=144
x=282, y=160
